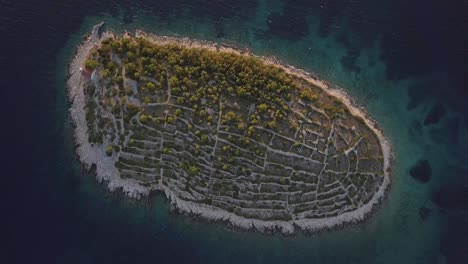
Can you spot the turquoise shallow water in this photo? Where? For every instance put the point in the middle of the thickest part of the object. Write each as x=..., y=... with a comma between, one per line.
x=396, y=233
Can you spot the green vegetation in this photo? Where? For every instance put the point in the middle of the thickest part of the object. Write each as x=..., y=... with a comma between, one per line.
x=193, y=170
x=109, y=150
x=91, y=64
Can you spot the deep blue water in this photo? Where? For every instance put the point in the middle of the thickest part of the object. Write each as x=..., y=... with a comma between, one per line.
x=406, y=61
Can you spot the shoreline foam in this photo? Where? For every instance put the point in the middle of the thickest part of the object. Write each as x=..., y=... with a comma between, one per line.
x=107, y=172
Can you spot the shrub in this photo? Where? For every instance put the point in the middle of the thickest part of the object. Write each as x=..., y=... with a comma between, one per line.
x=143, y=118
x=167, y=151
x=109, y=150
x=193, y=170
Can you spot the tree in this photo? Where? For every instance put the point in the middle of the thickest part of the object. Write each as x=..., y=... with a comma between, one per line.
x=151, y=86
x=130, y=55
x=106, y=73
x=131, y=109
x=250, y=131
x=175, y=91
x=271, y=124
x=178, y=112
x=136, y=75
x=91, y=64
x=173, y=81
x=116, y=45
x=229, y=116
x=130, y=68
x=180, y=100
x=262, y=107
x=202, y=113
x=118, y=79
x=143, y=118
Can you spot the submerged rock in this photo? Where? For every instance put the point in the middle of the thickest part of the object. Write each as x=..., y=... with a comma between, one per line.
x=435, y=114
x=421, y=171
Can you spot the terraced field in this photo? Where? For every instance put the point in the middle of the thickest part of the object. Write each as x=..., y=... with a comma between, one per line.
x=229, y=131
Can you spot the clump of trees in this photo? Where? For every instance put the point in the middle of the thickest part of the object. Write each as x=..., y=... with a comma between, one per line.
x=307, y=95
x=335, y=110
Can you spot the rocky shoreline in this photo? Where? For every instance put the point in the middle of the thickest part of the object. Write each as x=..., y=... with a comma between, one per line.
x=107, y=172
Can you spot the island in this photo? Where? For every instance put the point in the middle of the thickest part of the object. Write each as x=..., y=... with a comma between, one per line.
x=226, y=135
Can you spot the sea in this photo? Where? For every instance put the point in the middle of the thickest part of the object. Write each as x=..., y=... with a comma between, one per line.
x=405, y=61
